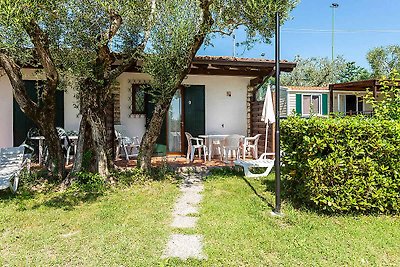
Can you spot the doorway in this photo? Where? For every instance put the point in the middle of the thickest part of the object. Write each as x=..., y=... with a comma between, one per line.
x=174, y=124
x=186, y=114
x=351, y=104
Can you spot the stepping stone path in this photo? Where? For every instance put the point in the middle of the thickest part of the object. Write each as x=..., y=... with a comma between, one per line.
x=185, y=246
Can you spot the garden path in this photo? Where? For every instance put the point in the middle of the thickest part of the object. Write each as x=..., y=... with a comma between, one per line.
x=185, y=246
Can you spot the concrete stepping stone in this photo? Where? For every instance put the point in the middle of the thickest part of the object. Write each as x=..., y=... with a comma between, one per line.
x=184, y=222
x=184, y=209
x=184, y=247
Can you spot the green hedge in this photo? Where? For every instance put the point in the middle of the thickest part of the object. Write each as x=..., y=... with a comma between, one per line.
x=347, y=164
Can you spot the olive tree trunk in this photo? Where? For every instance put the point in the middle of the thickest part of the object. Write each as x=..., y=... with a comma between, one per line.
x=153, y=130
x=162, y=105
x=93, y=151
x=42, y=114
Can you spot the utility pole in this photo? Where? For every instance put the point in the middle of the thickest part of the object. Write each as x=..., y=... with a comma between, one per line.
x=277, y=210
x=234, y=43
x=333, y=6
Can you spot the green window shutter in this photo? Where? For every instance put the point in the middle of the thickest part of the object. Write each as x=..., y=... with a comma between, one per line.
x=298, y=104
x=325, y=104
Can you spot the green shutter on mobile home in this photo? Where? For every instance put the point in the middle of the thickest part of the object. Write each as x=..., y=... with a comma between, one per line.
x=298, y=104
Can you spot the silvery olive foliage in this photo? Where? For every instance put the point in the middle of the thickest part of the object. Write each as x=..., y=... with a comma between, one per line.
x=383, y=60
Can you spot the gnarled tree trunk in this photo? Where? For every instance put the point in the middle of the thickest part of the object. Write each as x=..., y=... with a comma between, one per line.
x=93, y=152
x=162, y=105
x=152, y=132
x=42, y=114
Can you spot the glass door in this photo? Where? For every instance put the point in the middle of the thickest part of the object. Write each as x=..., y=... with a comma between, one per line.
x=174, y=124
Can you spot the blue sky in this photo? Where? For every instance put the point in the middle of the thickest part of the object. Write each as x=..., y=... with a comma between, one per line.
x=360, y=26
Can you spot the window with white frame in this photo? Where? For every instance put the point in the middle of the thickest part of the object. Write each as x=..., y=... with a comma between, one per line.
x=311, y=104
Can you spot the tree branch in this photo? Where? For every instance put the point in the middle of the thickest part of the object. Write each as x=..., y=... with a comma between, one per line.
x=15, y=76
x=116, y=22
x=41, y=44
x=134, y=57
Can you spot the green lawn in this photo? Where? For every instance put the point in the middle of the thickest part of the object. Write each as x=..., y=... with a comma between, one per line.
x=239, y=231
x=124, y=227
x=130, y=227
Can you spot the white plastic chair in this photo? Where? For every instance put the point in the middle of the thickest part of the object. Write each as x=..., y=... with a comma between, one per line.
x=193, y=144
x=251, y=144
x=12, y=162
x=66, y=146
x=231, y=144
x=129, y=145
x=65, y=143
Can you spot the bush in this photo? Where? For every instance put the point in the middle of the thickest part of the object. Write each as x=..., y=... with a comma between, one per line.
x=90, y=182
x=135, y=175
x=349, y=164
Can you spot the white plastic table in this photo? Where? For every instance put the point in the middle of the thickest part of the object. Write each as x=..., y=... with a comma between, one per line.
x=72, y=138
x=209, y=138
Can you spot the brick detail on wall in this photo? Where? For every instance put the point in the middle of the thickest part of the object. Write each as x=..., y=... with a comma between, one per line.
x=117, y=103
x=259, y=127
x=250, y=90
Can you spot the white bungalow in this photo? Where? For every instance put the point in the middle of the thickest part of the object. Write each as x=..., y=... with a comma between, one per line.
x=215, y=98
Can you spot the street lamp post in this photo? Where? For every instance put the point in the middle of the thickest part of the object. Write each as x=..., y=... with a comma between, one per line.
x=277, y=210
x=333, y=6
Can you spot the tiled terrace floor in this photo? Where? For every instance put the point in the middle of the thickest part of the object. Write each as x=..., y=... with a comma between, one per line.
x=176, y=161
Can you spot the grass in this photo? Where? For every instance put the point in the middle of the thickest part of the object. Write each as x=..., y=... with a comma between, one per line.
x=238, y=230
x=130, y=227
x=122, y=227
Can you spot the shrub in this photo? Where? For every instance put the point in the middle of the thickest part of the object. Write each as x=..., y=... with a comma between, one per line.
x=90, y=182
x=135, y=175
x=349, y=164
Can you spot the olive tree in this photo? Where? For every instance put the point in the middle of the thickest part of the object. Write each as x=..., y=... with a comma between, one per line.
x=85, y=44
x=101, y=39
x=26, y=39
x=317, y=71
x=383, y=60
x=181, y=28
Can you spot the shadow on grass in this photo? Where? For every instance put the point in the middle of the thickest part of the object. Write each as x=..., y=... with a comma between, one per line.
x=7, y=195
x=260, y=196
x=70, y=199
x=66, y=200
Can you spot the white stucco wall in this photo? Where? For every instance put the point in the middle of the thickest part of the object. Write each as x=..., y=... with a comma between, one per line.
x=135, y=124
x=224, y=114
